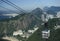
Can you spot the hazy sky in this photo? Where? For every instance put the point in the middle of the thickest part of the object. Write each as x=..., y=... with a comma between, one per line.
x=32, y=4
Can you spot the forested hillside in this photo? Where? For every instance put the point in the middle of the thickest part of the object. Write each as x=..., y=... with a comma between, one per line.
x=22, y=21
x=54, y=34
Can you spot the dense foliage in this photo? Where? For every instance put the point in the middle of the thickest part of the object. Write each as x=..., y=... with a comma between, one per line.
x=54, y=35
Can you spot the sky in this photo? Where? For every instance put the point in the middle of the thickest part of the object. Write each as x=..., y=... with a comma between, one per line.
x=32, y=4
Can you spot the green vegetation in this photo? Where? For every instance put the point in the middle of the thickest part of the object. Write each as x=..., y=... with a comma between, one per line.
x=54, y=35
x=22, y=21
x=8, y=26
x=36, y=36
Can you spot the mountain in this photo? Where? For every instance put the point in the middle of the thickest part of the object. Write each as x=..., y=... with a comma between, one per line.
x=37, y=12
x=52, y=10
x=22, y=21
x=55, y=8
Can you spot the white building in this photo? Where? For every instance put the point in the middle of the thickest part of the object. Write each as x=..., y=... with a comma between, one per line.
x=19, y=32
x=58, y=15
x=46, y=34
x=35, y=28
x=45, y=17
x=31, y=31
x=50, y=16
x=57, y=27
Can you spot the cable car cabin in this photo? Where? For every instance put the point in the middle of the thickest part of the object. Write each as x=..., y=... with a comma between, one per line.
x=45, y=34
